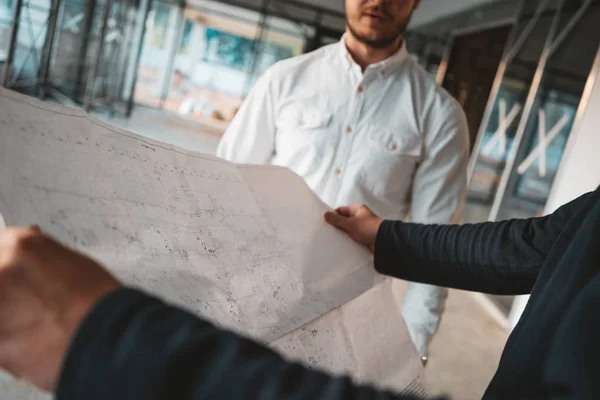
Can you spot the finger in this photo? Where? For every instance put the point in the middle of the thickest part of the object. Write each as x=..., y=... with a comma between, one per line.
x=356, y=207
x=343, y=211
x=12, y=241
x=350, y=210
x=337, y=220
x=7, y=235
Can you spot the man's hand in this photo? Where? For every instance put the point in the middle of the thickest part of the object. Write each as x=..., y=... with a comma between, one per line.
x=46, y=291
x=360, y=223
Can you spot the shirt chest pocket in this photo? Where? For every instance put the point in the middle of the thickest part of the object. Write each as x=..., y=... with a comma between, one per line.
x=302, y=132
x=388, y=161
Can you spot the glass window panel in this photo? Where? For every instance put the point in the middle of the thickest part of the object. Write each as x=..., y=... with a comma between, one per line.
x=31, y=36
x=161, y=27
x=216, y=64
x=552, y=117
x=498, y=137
x=67, y=65
x=210, y=75
x=115, y=53
x=6, y=15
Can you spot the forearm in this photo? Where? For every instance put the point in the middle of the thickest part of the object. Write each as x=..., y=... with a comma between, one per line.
x=489, y=257
x=132, y=346
x=495, y=257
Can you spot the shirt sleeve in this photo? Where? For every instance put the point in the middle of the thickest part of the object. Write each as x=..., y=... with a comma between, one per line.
x=250, y=137
x=502, y=258
x=439, y=185
x=132, y=346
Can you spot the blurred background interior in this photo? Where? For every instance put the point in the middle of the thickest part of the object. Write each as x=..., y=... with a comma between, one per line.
x=523, y=70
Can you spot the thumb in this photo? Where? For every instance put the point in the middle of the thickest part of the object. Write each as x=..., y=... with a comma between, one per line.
x=336, y=220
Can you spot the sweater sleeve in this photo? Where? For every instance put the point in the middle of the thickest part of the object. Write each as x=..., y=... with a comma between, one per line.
x=133, y=346
x=496, y=257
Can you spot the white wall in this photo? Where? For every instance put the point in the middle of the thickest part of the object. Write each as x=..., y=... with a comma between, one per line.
x=429, y=11
x=580, y=169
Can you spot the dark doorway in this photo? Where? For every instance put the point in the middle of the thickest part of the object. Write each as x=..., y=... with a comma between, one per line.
x=472, y=68
x=323, y=36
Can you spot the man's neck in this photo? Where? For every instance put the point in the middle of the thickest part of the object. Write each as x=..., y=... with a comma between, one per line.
x=365, y=55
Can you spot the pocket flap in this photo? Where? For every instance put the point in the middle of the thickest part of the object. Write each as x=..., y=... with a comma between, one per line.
x=305, y=118
x=408, y=144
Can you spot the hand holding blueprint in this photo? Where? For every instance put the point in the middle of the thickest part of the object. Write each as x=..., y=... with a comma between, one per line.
x=245, y=247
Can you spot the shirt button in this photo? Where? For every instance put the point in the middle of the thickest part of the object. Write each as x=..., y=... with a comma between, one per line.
x=301, y=123
x=360, y=89
x=348, y=129
x=338, y=171
x=394, y=146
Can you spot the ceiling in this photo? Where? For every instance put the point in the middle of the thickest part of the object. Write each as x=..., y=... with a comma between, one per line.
x=428, y=11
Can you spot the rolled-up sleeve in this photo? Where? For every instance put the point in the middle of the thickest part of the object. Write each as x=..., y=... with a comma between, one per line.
x=439, y=186
x=250, y=138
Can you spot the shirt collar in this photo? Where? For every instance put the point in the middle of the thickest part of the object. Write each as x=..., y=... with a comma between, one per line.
x=385, y=67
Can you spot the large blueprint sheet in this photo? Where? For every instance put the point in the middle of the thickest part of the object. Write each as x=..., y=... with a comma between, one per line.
x=245, y=247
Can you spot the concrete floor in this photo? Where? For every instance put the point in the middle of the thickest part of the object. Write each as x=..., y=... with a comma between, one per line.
x=466, y=350
x=170, y=128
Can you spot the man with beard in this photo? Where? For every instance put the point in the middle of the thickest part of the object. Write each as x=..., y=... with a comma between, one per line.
x=362, y=122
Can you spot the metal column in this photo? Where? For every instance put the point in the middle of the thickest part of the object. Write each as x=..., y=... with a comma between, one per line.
x=132, y=74
x=88, y=19
x=12, y=44
x=174, y=47
x=443, y=67
x=257, y=45
x=90, y=92
x=552, y=42
x=47, y=51
x=513, y=45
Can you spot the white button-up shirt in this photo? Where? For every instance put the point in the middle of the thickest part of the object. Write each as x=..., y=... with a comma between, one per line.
x=388, y=137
